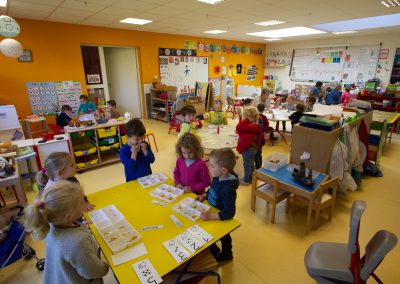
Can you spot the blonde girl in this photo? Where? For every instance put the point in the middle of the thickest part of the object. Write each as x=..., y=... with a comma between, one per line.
x=71, y=252
x=58, y=166
x=191, y=172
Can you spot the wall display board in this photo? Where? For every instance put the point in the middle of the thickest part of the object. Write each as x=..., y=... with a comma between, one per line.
x=68, y=93
x=216, y=87
x=340, y=64
x=183, y=71
x=42, y=97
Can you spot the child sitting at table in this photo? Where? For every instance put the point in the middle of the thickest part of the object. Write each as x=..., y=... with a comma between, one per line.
x=346, y=96
x=216, y=116
x=86, y=106
x=71, y=251
x=250, y=136
x=59, y=166
x=310, y=101
x=295, y=117
x=65, y=116
x=191, y=172
x=190, y=124
x=136, y=154
x=112, y=105
x=221, y=195
x=290, y=103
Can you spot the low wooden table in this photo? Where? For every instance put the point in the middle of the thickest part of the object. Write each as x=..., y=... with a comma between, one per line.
x=392, y=119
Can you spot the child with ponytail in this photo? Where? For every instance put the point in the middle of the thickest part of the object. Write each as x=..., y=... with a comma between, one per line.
x=71, y=252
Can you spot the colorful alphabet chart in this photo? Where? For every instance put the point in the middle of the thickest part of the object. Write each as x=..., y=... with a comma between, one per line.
x=42, y=97
x=68, y=93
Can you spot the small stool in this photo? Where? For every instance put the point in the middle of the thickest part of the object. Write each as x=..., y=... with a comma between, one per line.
x=150, y=133
x=31, y=173
x=31, y=122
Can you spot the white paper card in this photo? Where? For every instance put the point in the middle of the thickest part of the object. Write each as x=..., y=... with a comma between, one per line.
x=176, y=220
x=150, y=228
x=146, y=272
x=190, y=242
x=129, y=254
x=197, y=231
x=178, y=252
x=159, y=203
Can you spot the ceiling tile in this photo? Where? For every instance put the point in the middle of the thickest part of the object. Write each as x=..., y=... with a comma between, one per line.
x=168, y=11
x=82, y=5
x=124, y=13
x=73, y=12
x=185, y=4
x=149, y=16
x=31, y=6
x=135, y=5
x=64, y=19
x=28, y=14
x=43, y=2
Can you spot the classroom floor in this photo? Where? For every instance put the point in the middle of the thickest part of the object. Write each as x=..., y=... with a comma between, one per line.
x=265, y=252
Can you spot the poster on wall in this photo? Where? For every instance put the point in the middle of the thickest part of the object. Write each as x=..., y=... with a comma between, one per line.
x=68, y=93
x=216, y=87
x=42, y=97
x=176, y=52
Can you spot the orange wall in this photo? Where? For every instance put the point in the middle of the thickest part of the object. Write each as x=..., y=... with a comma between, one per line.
x=57, y=56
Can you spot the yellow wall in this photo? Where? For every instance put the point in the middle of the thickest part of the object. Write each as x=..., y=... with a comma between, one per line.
x=57, y=56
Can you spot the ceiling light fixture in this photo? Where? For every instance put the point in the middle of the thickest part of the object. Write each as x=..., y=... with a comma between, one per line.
x=272, y=39
x=214, y=32
x=344, y=32
x=212, y=2
x=270, y=23
x=3, y=3
x=135, y=21
x=385, y=4
x=289, y=32
x=390, y=20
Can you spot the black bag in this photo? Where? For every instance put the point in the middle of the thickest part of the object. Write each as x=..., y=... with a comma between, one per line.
x=373, y=170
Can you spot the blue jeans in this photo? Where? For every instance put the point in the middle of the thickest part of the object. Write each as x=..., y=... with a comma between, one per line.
x=248, y=163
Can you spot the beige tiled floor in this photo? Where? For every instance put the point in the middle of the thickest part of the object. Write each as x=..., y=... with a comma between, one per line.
x=265, y=252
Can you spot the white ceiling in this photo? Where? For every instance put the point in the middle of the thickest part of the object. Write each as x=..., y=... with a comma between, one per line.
x=190, y=17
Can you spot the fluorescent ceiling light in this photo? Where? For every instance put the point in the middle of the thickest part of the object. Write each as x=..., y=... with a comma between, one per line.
x=296, y=31
x=385, y=4
x=3, y=3
x=344, y=32
x=134, y=21
x=270, y=23
x=272, y=39
x=214, y=32
x=213, y=2
x=361, y=24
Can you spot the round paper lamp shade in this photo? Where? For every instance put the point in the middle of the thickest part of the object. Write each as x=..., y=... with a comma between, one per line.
x=8, y=26
x=11, y=48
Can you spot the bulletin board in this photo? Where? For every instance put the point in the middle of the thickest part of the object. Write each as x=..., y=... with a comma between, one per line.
x=68, y=93
x=183, y=71
x=356, y=64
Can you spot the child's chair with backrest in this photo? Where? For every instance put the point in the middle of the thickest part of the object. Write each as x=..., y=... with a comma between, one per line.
x=231, y=107
x=176, y=119
x=325, y=197
x=270, y=192
x=325, y=261
x=377, y=141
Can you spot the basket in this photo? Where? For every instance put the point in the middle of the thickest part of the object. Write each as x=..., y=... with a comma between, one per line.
x=84, y=149
x=108, y=141
x=82, y=133
x=275, y=162
x=109, y=147
x=107, y=132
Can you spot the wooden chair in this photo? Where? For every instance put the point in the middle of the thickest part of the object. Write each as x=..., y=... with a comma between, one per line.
x=231, y=107
x=377, y=141
x=324, y=198
x=270, y=192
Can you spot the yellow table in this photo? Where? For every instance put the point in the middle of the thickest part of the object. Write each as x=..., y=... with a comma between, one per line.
x=134, y=202
x=391, y=118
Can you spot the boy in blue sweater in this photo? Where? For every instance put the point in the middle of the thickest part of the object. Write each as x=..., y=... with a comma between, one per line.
x=221, y=195
x=136, y=155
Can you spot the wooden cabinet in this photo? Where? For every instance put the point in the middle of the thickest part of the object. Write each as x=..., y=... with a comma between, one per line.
x=160, y=105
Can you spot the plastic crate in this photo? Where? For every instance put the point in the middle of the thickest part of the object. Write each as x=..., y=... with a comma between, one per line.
x=108, y=141
x=82, y=134
x=107, y=132
x=84, y=149
x=275, y=161
x=86, y=161
x=124, y=140
x=109, y=147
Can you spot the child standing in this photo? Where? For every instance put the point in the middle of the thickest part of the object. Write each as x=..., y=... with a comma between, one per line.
x=221, y=195
x=333, y=96
x=216, y=116
x=65, y=116
x=346, y=96
x=86, y=106
x=188, y=125
x=295, y=117
x=71, y=252
x=136, y=154
x=191, y=172
x=250, y=136
x=58, y=166
x=112, y=105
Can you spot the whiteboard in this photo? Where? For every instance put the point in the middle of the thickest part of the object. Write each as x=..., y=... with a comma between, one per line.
x=183, y=71
x=355, y=64
x=8, y=118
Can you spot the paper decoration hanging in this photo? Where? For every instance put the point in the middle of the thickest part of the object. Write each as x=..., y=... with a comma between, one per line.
x=206, y=48
x=223, y=48
x=234, y=48
x=217, y=69
x=190, y=44
x=213, y=47
x=201, y=46
x=11, y=48
x=8, y=26
x=243, y=49
x=239, y=68
x=177, y=52
x=228, y=50
x=251, y=50
x=260, y=51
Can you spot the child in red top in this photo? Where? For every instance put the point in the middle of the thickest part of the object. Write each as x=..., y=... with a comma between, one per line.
x=346, y=96
x=250, y=136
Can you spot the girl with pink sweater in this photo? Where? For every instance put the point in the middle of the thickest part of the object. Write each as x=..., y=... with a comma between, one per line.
x=191, y=172
x=346, y=96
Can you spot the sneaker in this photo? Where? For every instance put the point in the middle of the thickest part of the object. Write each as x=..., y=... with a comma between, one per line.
x=215, y=250
x=222, y=257
x=242, y=182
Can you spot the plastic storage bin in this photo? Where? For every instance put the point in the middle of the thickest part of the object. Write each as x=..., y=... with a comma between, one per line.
x=107, y=132
x=84, y=149
x=86, y=161
x=82, y=134
x=108, y=141
x=124, y=140
x=275, y=161
x=113, y=146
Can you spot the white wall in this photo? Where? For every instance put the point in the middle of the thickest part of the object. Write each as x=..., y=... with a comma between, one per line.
x=123, y=80
x=388, y=40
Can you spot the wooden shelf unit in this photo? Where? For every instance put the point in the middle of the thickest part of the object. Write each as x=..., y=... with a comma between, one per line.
x=159, y=108
x=376, y=102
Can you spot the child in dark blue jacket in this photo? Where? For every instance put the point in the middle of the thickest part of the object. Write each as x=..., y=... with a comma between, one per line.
x=221, y=195
x=136, y=155
x=64, y=117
